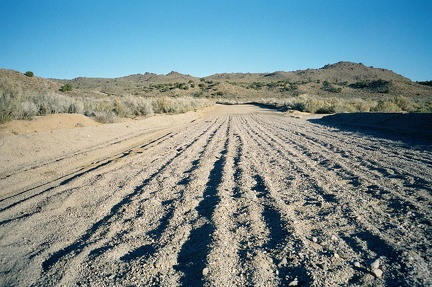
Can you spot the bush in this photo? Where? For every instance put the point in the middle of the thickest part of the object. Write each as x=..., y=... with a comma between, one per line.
x=105, y=117
x=378, y=86
x=27, y=111
x=76, y=107
x=138, y=106
x=163, y=105
x=51, y=103
x=326, y=86
x=66, y=87
x=29, y=74
x=10, y=98
x=404, y=103
x=387, y=107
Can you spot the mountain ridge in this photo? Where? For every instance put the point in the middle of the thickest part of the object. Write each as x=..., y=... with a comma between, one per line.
x=341, y=79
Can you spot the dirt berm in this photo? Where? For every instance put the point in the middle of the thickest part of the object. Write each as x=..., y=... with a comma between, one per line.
x=227, y=196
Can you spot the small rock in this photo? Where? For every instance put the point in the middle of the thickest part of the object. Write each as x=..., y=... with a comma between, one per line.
x=377, y=273
x=314, y=239
x=335, y=255
x=294, y=282
x=283, y=262
x=375, y=264
x=205, y=271
x=357, y=264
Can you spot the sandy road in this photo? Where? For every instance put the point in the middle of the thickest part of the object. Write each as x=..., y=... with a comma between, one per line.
x=239, y=197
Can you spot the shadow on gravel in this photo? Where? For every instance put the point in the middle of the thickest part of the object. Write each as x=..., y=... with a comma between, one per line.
x=381, y=248
x=411, y=129
x=278, y=236
x=193, y=254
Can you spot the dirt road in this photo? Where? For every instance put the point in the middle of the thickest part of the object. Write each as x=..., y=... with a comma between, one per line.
x=240, y=196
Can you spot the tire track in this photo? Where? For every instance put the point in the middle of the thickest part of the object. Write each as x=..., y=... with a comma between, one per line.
x=235, y=199
x=391, y=253
x=101, y=228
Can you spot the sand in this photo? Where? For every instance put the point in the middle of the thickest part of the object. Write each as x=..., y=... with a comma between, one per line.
x=226, y=196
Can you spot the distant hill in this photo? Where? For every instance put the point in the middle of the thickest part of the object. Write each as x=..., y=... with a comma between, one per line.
x=342, y=79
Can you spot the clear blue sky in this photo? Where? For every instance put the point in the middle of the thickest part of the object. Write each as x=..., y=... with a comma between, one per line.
x=113, y=38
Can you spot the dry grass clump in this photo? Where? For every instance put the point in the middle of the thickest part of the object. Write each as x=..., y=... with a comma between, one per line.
x=179, y=105
x=317, y=105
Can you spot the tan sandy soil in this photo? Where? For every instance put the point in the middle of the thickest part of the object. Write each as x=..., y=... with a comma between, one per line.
x=228, y=196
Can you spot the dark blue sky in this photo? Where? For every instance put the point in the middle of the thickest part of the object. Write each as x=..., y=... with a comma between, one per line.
x=112, y=38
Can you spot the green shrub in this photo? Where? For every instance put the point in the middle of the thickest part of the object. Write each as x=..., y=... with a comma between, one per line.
x=378, y=86
x=29, y=74
x=326, y=86
x=66, y=87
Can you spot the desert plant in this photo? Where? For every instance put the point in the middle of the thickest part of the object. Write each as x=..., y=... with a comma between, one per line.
x=52, y=103
x=29, y=74
x=386, y=107
x=326, y=86
x=28, y=110
x=161, y=105
x=378, y=86
x=404, y=103
x=10, y=97
x=76, y=107
x=137, y=106
x=66, y=87
x=105, y=117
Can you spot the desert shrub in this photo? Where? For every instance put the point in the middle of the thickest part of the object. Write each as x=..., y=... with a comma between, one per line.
x=179, y=105
x=162, y=105
x=386, y=107
x=52, y=103
x=404, y=103
x=27, y=111
x=378, y=86
x=105, y=117
x=361, y=105
x=10, y=97
x=29, y=74
x=76, y=107
x=137, y=106
x=66, y=87
x=121, y=109
x=425, y=83
x=326, y=86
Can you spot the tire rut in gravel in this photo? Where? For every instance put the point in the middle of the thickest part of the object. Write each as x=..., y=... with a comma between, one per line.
x=234, y=199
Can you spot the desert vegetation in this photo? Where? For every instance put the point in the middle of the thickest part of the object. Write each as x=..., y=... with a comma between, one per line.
x=17, y=104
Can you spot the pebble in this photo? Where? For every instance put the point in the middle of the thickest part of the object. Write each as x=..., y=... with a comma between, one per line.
x=314, y=239
x=283, y=262
x=375, y=264
x=377, y=273
x=357, y=264
x=294, y=282
x=205, y=271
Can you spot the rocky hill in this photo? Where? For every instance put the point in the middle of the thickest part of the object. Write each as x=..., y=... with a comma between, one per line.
x=342, y=79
